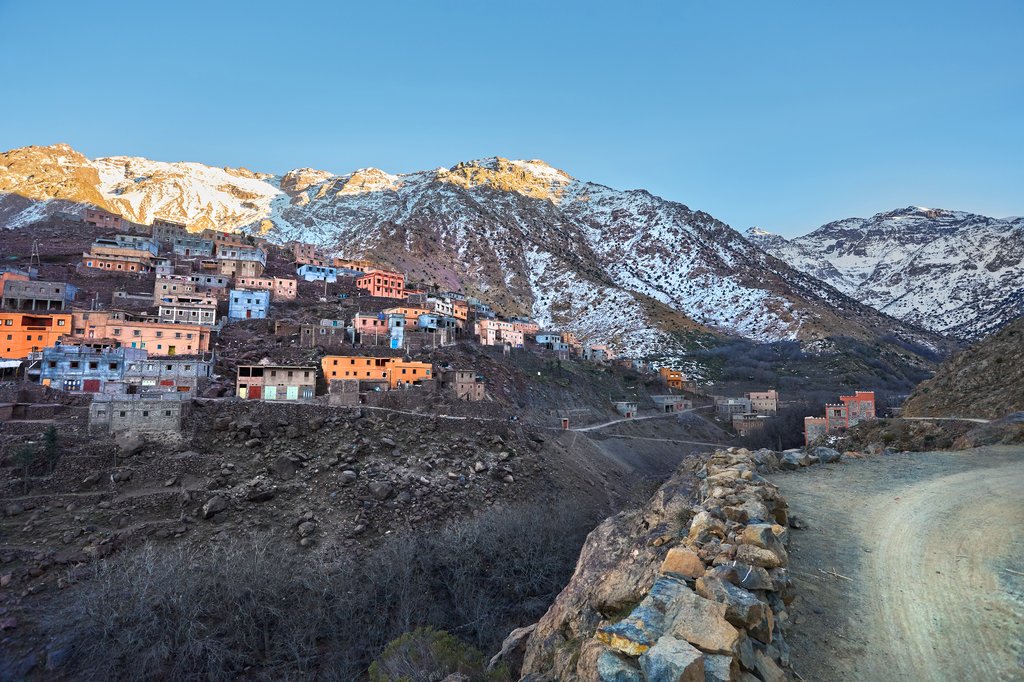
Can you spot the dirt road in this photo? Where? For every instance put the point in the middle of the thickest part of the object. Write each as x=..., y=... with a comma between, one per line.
x=933, y=544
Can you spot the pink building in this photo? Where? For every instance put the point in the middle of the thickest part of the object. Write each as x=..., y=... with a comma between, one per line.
x=105, y=219
x=498, y=332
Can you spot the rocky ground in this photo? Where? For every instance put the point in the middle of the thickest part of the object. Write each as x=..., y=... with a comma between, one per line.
x=311, y=476
x=908, y=567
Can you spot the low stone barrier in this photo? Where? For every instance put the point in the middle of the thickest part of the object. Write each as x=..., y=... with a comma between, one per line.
x=678, y=591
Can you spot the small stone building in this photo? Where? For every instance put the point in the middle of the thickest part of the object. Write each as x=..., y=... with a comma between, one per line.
x=270, y=382
x=125, y=413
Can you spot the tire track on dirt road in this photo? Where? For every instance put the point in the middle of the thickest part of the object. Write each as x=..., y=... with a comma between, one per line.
x=933, y=544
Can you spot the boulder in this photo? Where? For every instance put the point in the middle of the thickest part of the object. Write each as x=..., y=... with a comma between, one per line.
x=794, y=459
x=742, y=608
x=701, y=622
x=757, y=556
x=762, y=535
x=214, y=506
x=742, y=575
x=306, y=528
x=704, y=527
x=682, y=562
x=637, y=632
x=672, y=660
x=826, y=455
x=284, y=468
x=380, y=490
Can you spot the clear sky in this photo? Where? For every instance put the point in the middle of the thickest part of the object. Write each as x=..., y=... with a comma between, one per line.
x=784, y=115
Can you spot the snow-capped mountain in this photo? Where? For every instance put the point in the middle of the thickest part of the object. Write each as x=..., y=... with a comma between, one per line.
x=952, y=272
x=624, y=267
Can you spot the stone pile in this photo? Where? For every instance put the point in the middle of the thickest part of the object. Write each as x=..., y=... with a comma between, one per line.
x=692, y=592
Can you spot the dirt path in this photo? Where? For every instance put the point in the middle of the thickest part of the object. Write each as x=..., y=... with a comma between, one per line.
x=934, y=544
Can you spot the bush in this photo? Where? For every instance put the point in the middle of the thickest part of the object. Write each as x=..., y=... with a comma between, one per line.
x=255, y=607
x=426, y=655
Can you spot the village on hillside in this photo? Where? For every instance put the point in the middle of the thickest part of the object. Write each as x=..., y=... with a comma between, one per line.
x=174, y=324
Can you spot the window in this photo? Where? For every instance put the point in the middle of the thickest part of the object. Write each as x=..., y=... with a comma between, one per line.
x=136, y=332
x=60, y=323
x=123, y=413
x=145, y=413
x=94, y=365
x=74, y=364
x=167, y=413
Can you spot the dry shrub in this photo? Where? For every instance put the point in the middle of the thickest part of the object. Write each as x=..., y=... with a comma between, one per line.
x=258, y=608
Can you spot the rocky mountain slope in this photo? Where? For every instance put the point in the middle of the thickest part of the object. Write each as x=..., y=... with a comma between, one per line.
x=624, y=267
x=984, y=381
x=951, y=272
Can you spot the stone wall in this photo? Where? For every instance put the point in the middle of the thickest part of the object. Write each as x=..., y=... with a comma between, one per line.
x=693, y=586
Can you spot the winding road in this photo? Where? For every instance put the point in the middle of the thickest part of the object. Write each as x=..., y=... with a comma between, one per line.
x=911, y=567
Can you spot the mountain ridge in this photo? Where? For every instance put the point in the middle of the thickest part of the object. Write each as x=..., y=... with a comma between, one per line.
x=641, y=272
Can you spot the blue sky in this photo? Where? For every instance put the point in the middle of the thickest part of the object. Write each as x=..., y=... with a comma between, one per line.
x=784, y=115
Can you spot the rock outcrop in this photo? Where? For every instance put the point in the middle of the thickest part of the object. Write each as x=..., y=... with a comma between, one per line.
x=693, y=586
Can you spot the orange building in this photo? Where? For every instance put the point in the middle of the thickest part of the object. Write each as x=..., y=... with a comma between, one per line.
x=395, y=370
x=673, y=377
x=411, y=313
x=159, y=338
x=24, y=333
x=12, y=276
x=383, y=284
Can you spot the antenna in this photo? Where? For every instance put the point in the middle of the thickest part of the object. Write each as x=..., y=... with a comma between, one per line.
x=34, y=260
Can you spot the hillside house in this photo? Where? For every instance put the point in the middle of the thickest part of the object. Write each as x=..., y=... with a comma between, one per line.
x=123, y=413
x=225, y=239
x=84, y=369
x=814, y=429
x=383, y=284
x=464, y=383
x=497, y=333
x=317, y=273
x=173, y=285
x=179, y=374
x=188, y=309
x=166, y=231
x=671, y=403
x=139, y=331
x=411, y=313
x=353, y=264
x=597, y=352
x=306, y=254
x=764, y=402
x=525, y=326
x=326, y=334
x=241, y=253
x=435, y=322
x=233, y=267
x=270, y=383
x=105, y=219
x=12, y=275
x=673, y=378
x=627, y=408
x=748, y=422
x=727, y=407
x=850, y=411
x=859, y=407
x=398, y=373
x=210, y=281
x=248, y=305
x=163, y=267
x=34, y=295
x=281, y=288
x=193, y=246
x=24, y=333
x=126, y=245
